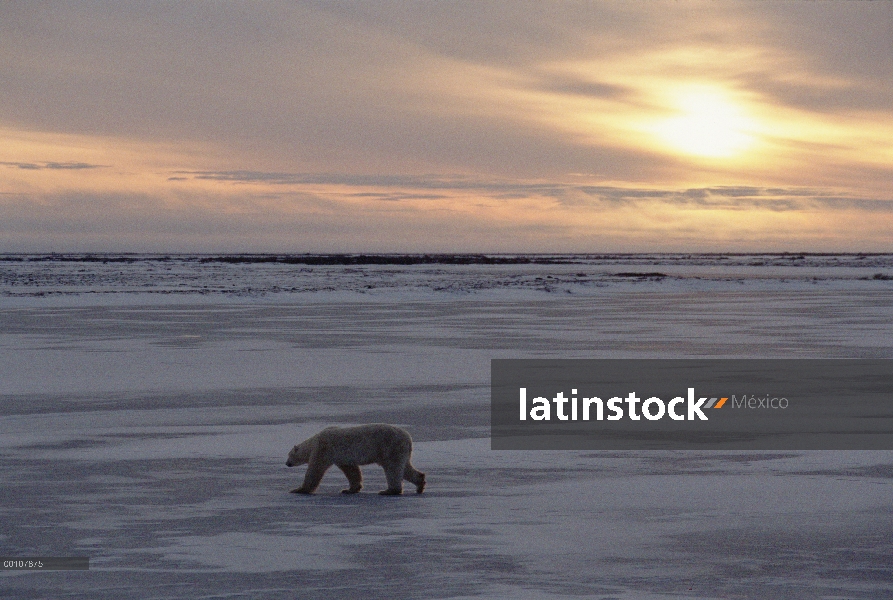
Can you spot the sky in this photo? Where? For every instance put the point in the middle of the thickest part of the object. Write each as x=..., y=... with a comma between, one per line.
x=416, y=126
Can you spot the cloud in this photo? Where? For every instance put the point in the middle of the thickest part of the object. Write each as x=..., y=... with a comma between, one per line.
x=67, y=166
x=479, y=86
x=494, y=216
x=451, y=182
x=566, y=84
x=744, y=198
x=399, y=188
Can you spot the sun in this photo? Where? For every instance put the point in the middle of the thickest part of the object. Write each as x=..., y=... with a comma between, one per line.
x=707, y=124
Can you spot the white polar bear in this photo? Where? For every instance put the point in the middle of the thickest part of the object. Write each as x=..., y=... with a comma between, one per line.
x=350, y=447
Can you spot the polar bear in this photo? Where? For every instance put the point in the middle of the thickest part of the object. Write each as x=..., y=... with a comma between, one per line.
x=350, y=447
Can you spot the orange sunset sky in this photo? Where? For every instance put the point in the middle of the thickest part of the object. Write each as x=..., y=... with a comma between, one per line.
x=446, y=126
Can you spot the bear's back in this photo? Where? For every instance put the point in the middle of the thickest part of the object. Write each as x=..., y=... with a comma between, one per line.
x=365, y=444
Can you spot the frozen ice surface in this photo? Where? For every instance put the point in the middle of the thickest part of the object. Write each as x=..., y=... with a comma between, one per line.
x=145, y=424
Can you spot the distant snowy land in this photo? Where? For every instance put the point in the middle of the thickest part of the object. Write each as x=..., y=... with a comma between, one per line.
x=367, y=276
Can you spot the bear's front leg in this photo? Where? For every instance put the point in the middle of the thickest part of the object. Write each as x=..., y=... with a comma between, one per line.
x=311, y=478
x=354, y=478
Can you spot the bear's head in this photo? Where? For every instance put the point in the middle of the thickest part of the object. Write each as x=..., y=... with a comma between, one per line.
x=299, y=455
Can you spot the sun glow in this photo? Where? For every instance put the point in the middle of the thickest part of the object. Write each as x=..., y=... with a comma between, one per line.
x=708, y=124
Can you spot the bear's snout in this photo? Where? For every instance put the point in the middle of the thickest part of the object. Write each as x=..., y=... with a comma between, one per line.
x=288, y=463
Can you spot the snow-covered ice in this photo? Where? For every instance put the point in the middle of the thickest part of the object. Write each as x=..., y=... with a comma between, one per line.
x=147, y=406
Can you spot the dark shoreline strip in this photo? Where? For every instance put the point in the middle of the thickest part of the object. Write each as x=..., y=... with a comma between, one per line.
x=418, y=259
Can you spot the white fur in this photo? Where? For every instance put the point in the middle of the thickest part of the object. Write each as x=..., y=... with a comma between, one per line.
x=350, y=447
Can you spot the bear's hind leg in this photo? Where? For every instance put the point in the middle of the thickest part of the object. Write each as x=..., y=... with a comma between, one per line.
x=413, y=475
x=394, y=476
x=354, y=478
